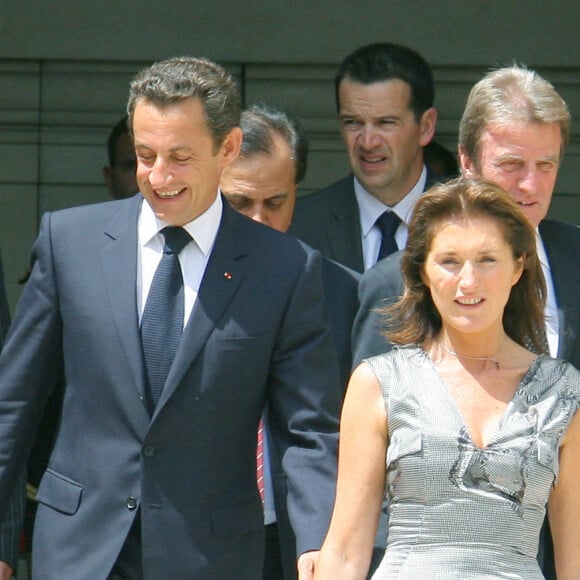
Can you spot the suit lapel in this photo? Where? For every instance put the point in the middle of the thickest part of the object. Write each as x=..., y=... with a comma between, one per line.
x=119, y=263
x=343, y=230
x=223, y=275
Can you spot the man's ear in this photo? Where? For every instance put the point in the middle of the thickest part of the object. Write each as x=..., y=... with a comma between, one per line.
x=230, y=147
x=427, y=126
x=466, y=162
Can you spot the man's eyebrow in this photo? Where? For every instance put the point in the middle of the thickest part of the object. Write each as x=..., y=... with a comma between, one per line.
x=517, y=156
x=552, y=158
x=172, y=149
x=509, y=156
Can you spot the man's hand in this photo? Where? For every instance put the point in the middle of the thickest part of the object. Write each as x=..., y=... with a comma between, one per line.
x=5, y=571
x=306, y=564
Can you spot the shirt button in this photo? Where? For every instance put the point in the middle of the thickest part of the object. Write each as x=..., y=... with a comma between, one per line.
x=149, y=450
x=131, y=503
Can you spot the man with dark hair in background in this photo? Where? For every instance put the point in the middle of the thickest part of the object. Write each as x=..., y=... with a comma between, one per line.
x=384, y=98
x=120, y=175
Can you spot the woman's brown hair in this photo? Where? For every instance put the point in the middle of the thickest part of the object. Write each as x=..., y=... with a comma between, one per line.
x=414, y=318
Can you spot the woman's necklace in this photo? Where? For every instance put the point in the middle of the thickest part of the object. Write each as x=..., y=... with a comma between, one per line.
x=492, y=359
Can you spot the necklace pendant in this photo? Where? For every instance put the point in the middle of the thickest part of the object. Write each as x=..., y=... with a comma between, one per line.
x=491, y=359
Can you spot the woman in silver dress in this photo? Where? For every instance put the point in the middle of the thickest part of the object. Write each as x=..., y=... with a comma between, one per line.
x=471, y=433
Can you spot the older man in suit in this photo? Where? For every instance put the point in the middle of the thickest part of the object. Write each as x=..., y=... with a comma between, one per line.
x=513, y=131
x=384, y=97
x=174, y=321
x=262, y=185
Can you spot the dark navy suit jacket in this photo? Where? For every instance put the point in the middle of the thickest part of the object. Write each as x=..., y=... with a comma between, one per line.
x=328, y=220
x=256, y=335
x=341, y=304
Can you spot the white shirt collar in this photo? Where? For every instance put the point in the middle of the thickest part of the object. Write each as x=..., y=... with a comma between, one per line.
x=370, y=208
x=203, y=229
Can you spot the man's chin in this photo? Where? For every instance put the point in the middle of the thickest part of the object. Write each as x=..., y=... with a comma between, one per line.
x=533, y=214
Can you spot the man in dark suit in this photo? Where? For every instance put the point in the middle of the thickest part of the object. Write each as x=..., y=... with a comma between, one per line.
x=384, y=97
x=513, y=131
x=160, y=483
x=262, y=184
x=121, y=182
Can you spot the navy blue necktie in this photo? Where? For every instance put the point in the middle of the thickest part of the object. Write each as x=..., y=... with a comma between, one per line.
x=162, y=320
x=388, y=222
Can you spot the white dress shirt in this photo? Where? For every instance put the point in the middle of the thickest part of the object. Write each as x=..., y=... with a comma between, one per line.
x=193, y=258
x=370, y=208
x=551, y=308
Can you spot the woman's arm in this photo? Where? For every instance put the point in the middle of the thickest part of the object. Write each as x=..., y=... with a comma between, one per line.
x=347, y=549
x=564, y=506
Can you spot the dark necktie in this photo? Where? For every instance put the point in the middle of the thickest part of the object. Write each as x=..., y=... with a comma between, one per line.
x=388, y=222
x=162, y=321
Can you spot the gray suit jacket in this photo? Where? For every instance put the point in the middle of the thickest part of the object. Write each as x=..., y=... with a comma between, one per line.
x=256, y=334
x=329, y=221
x=380, y=285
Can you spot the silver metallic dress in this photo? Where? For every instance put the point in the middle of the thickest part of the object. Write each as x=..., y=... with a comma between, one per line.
x=456, y=511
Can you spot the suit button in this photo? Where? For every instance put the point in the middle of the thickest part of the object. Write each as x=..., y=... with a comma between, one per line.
x=149, y=450
x=131, y=503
